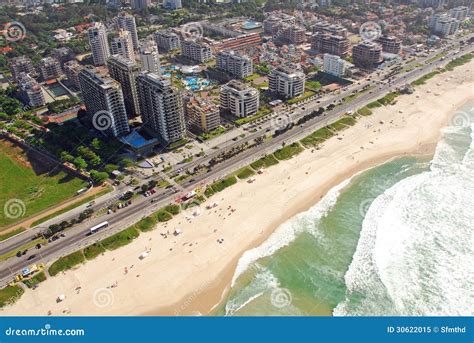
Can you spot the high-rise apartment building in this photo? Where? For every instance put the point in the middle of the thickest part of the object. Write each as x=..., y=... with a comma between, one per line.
x=127, y=22
x=99, y=44
x=126, y=72
x=149, y=56
x=122, y=45
x=104, y=102
x=72, y=69
x=161, y=107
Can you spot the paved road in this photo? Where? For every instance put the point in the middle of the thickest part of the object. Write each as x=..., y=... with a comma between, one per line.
x=77, y=236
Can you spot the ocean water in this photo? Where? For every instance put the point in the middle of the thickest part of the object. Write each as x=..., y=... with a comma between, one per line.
x=397, y=239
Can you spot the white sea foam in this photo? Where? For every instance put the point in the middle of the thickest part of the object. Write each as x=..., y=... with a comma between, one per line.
x=288, y=231
x=414, y=255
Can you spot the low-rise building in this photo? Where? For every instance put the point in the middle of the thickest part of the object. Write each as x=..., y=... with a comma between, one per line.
x=444, y=25
x=50, y=68
x=21, y=64
x=390, y=44
x=239, y=99
x=202, y=115
x=197, y=51
x=234, y=64
x=30, y=91
x=166, y=40
x=367, y=55
x=287, y=81
x=334, y=65
x=326, y=43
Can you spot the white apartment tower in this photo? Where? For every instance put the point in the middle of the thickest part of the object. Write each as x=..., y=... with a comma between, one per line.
x=161, y=107
x=125, y=72
x=123, y=45
x=287, y=81
x=334, y=65
x=99, y=45
x=240, y=99
x=104, y=102
x=127, y=22
x=237, y=66
x=149, y=56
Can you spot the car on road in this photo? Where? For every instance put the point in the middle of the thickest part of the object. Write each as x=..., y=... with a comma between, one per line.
x=31, y=257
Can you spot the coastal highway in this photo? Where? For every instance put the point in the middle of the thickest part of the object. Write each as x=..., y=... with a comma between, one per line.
x=77, y=237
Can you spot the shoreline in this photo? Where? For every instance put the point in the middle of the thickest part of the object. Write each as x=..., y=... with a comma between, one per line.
x=224, y=284
x=191, y=274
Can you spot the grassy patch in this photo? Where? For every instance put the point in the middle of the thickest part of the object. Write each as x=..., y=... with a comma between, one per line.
x=389, y=98
x=66, y=262
x=220, y=185
x=374, y=104
x=11, y=233
x=459, y=61
x=245, y=173
x=163, y=215
x=313, y=85
x=120, y=239
x=288, y=151
x=264, y=162
x=40, y=277
x=364, y=111
x=173, y=209
x=252, y=77
x=305, y=96
x=260, y=113
x=36, y=184
x=146, y=224
x=214, y=133
x=317, y=137
x=10, y=294
x=422, y=80
x=92, y=251
x=181, y=178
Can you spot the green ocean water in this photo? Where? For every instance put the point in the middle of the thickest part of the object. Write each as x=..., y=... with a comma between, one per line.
x=397, y=239
x=306, y=275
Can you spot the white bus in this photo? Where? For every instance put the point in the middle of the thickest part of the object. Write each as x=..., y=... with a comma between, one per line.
x=99, y=227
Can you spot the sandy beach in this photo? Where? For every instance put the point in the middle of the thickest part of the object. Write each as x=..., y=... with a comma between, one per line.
x=190, y=273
